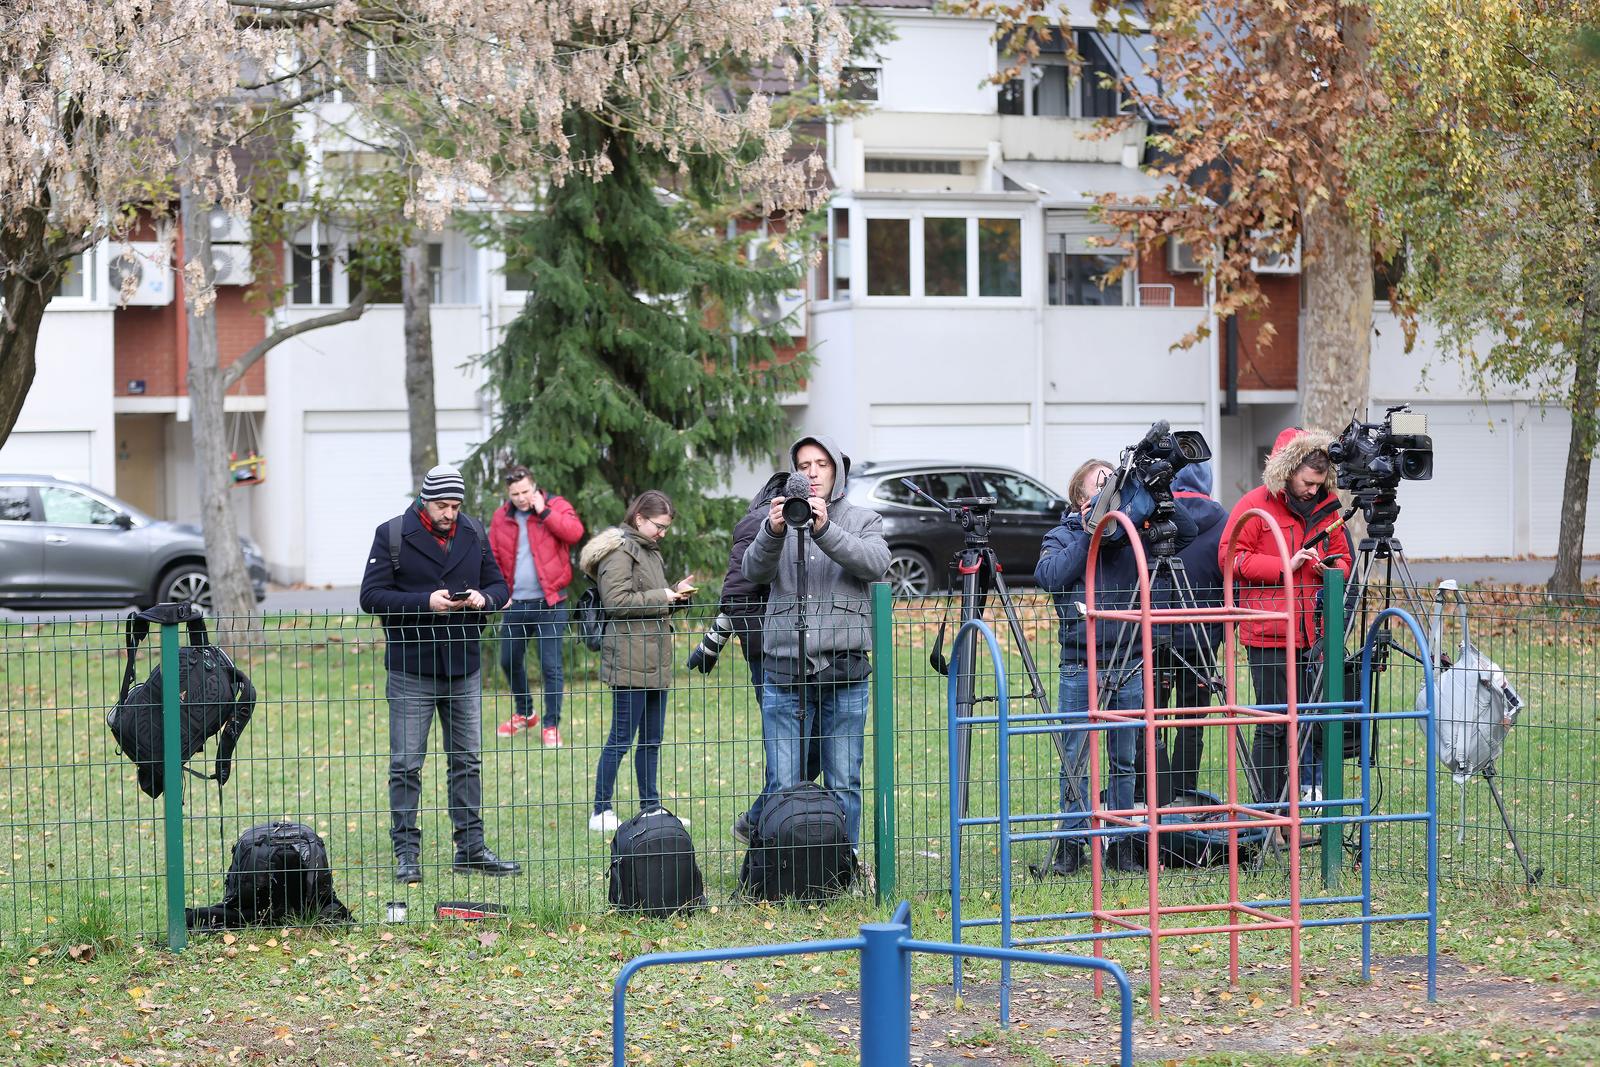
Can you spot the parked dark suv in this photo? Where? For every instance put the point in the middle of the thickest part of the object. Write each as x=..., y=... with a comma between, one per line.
x=922, y=538
x=65, y=544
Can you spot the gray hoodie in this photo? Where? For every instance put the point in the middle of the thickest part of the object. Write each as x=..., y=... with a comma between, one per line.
x=841, y=561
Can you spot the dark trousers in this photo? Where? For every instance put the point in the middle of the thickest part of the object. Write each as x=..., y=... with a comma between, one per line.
x=633, y=711
x=1269, y=747
x=1181, y=748
x=413, y=702
x=544, y=624
x=748, y=627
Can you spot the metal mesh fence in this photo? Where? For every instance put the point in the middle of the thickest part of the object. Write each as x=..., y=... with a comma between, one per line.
x=84, y=847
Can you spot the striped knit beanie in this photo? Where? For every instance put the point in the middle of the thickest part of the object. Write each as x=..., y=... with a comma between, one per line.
x=444, y=482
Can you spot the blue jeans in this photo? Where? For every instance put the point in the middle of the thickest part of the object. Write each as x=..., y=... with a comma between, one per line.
x=413, y=701
x=1119, y=744
x=836, y=714
x=532, y=618
x=633, y=711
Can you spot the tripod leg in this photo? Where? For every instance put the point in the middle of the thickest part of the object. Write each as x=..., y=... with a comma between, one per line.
x=1532, y=874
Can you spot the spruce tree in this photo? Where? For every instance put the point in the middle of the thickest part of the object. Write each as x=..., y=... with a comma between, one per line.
x=634, y=364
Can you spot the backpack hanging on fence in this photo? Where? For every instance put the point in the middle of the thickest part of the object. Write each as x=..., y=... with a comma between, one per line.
x=1476, y=704
x=279, y=874
x=799, y=848
x=588, y=614
x=653, y=869
x=215, y=698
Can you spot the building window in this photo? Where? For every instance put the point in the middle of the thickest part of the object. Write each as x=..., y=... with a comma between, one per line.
x=1098, y=93
x=888, y=257
x=1051, y=86
x=883, y=165
x=944, y=257
x=1077, y=279
x=999, y=257
x=860, y=83
x=839, y=252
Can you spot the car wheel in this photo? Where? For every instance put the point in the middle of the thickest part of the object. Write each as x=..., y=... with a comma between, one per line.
x=188, y=583
x=910, y=573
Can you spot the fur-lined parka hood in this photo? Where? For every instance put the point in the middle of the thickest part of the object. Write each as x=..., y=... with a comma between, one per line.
x=599, y=547
x=1289, y=451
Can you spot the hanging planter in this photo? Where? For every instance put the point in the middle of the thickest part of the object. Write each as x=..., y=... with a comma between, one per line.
x=246, y=464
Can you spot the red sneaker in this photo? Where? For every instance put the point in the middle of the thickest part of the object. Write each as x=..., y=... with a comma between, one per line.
x=551, y=736
x=512, y=726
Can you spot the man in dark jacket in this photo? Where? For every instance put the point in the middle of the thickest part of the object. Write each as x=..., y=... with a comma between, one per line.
x=433, y=599
x=532, y=537
x=1062, y=570
x=845, y=551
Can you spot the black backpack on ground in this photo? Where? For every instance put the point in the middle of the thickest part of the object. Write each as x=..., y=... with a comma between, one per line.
x=1203, y=845
x=279, y=874
x=653, y=869
x=799, y=848
x=215, y=698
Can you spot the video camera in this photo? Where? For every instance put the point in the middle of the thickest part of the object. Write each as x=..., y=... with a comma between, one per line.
x=1372, y=458
x=1141, y=488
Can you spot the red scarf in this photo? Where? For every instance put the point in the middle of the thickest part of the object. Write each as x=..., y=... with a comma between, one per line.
x=427, y=524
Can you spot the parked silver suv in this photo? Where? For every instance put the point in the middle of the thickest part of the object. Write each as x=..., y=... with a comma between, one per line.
x=68, y=545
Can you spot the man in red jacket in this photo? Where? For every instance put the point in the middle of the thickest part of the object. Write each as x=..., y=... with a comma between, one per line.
x=1297, y=491
x=532, y=537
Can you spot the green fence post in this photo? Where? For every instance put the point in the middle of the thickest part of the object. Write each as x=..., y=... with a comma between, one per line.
x=1333, y=732
x=172, y=823
x=883, y=761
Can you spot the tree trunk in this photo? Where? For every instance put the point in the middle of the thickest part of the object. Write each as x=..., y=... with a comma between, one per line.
x=1568, y=576
x=22, y=306
x=233, y=602
x=1336, y=340
x=416, y=283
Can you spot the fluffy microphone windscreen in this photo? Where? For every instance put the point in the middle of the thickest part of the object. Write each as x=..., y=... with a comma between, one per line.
x=798, y=485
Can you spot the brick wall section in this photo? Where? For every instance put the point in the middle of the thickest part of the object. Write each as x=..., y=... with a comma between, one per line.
x=1187, y=290
x=146, y=345
x=1274, y=364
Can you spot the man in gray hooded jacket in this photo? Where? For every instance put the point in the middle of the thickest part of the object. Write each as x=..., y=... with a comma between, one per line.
x=845, y=551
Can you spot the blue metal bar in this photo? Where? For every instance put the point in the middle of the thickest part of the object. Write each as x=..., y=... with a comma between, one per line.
x=619, y=991
x=1009, y=955
x=885, y=998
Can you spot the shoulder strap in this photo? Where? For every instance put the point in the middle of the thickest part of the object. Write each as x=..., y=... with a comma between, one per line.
x=244, y=705
x=136, y=630
x=393, y=526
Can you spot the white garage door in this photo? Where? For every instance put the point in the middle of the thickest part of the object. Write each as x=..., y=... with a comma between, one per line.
x=354, y=480
x=1549, y=437
x=1466, y=508
x=972, y=433
x=1074, y=433
x=63, y=454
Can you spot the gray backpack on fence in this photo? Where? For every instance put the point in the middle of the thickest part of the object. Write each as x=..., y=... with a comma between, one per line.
x=1477, y=706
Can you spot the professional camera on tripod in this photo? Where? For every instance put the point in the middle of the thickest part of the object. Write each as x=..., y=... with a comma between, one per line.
x=1141, y=488
x=1372, y=458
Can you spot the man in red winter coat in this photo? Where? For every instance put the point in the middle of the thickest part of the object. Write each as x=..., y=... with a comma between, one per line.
x=532, y=537
x=1297, y=491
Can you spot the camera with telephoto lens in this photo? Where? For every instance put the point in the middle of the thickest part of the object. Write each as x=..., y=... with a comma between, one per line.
x=797, y=511
x=704, y=656
x=1372, y=458
x=1141, y=488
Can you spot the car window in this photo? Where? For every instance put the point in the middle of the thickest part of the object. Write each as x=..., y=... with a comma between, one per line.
x=14, y=504
x=71, y=506
x=893, y=491
x=1013, y=492
x=947, y=485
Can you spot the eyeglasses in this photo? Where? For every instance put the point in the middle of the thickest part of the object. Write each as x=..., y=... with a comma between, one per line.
x=662, y=526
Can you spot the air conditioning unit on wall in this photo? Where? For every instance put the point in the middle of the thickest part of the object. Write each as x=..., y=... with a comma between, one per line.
x=227, y=229
x=1281, y=263
x=1181, y=258
x=149, y=264
x=231, y=265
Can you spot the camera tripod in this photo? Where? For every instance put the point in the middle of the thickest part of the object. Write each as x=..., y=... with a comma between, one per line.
x=979, y=569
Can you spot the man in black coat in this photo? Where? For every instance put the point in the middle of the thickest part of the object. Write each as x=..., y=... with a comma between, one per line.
x=433, y=590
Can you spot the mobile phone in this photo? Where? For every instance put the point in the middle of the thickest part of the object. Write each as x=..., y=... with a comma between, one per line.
x=462, y=595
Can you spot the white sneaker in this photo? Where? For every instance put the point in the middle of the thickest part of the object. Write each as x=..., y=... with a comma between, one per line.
x=604, y=822
x=1311, y=794
x=684, y=819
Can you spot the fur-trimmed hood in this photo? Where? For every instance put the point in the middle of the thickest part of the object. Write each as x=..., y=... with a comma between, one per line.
x=1289, y=451
x=599, y=547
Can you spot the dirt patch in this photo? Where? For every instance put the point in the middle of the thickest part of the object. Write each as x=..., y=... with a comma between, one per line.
x=1062, y=1018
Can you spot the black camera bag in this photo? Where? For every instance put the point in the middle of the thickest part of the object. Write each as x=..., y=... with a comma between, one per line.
x=279, y=874
x=589, y=614
x=214, y=697
x=799, y=848
x=653, y=869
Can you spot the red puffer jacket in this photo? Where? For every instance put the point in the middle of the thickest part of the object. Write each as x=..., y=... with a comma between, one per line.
x=552, y=535
x=1258, y=569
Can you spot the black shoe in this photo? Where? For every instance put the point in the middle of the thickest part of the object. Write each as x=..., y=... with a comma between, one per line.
x=483, y=861
x=407, y=871
x=1126, y=857
x=743, y=829
x=1065, y=861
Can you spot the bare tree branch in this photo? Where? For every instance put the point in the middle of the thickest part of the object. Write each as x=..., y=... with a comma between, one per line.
x=253, y=354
